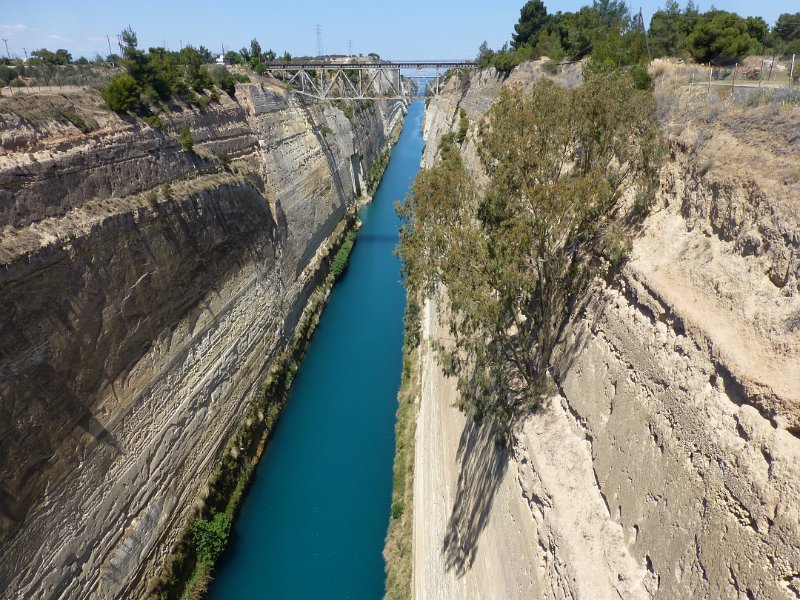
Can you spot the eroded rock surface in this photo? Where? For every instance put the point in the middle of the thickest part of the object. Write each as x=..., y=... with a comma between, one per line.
x=145, y=289
x=667, y=466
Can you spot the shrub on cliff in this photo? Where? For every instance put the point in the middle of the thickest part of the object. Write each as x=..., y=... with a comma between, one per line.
x=122, y=94
x=342, y=257
x=518, y=259
x=159, y=75
x=224, y=79
x=210, y=537
x=185, y=138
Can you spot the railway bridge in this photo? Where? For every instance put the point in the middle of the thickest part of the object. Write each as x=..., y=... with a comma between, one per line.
x=367, y=80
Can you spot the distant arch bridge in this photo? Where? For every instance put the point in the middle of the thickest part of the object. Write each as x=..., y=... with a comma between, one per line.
x=366, y=80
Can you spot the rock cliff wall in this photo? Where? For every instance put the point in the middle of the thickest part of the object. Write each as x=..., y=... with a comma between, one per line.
x=667, y=466
x=145, y=288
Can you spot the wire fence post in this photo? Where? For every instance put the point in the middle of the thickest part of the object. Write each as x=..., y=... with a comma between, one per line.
x=710, y=74
x=733, y=83
x=791, y=74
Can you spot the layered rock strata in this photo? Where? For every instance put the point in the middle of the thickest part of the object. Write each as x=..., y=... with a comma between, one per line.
x=667, y=466
x=145, y=288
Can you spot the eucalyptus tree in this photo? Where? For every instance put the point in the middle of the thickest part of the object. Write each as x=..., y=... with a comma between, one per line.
x=565, y=168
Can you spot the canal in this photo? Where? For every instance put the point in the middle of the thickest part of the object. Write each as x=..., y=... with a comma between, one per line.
x=315, y=517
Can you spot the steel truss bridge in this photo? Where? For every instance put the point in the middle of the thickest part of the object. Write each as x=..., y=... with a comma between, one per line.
x=365, y=80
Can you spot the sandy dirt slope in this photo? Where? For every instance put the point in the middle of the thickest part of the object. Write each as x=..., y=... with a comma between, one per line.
x=490, y=523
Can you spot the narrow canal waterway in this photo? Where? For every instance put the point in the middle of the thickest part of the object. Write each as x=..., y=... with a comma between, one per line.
x=315, y=517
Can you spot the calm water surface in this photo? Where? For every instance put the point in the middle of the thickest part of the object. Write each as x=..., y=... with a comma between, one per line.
x=314, y=520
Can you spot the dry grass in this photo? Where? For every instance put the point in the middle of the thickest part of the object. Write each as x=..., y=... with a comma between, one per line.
x=398, y=549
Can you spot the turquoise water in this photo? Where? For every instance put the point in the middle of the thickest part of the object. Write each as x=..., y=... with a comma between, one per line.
x=315, y=517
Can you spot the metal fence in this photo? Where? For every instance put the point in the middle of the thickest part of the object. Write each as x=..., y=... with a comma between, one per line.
x=43, y=77
x=764, y=73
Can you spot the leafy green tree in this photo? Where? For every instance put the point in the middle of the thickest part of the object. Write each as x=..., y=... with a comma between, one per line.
x=233, y=57
x=224, y=79
x=206, y=54
x=255, y=48
x=65, y=55
x=614, y=13
x=721, y=37
x=668, y=31
x=578, y=31
x=533, y=18
x=210, y=537
x=792, y=47
x=485, y=55
x=757, y=29
x=61, y=57
x=505, y=60
x=122, y=94
x=7, y=74
x=128, y=37
x=787, y=27
x=516, y=260
x=549, y=45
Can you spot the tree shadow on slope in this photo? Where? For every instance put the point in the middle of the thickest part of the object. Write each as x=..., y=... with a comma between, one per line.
x=483, y=463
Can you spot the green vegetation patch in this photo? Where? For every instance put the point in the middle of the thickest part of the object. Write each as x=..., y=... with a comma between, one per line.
x=342, y=257
x=376, y=170
x=398, y=549
x=189, y=569
x=518, y=257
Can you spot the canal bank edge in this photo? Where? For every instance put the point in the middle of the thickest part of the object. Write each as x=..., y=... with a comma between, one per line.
x=183, y=575
x=398, y=548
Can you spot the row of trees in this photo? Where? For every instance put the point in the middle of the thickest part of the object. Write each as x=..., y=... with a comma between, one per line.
x=604, y=30
x=254, y=56
x=718, y=36
x=159, y=75
x=608, y=32
x=518, y=258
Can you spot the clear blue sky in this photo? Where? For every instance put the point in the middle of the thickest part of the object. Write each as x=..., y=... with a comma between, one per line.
x=405, y=29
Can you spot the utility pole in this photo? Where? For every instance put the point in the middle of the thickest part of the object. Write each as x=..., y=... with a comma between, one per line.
x=640, y=26
x=11, y=89
x=25, y=50
x=108, y=39
x=319, y=40
x=349, y=47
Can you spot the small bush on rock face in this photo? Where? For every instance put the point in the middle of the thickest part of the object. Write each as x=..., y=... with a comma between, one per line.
x=155, y=122
x=551, y=67
x=210, y=537
x=342, y=257
x=186, y=139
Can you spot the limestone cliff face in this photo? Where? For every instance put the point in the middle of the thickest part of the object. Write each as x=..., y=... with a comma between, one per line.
x=145, y=289
x=667, y=467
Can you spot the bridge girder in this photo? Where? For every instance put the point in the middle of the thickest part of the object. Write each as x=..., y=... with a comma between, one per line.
x=362, y=81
